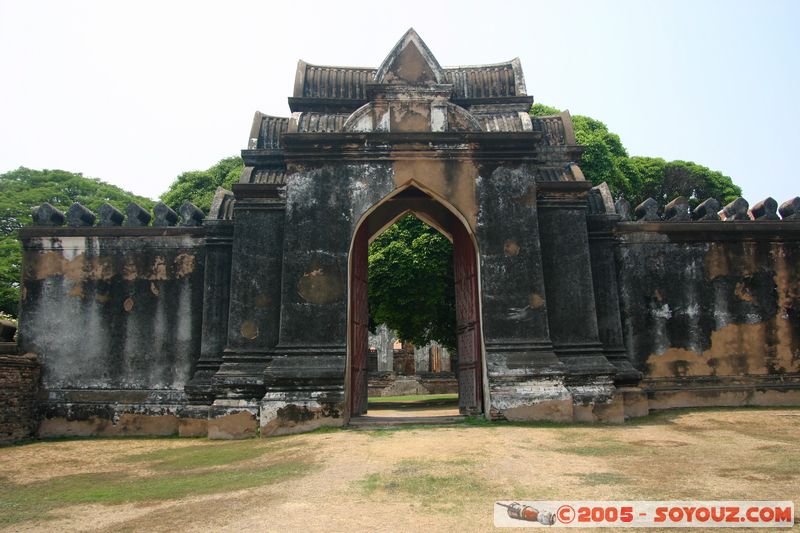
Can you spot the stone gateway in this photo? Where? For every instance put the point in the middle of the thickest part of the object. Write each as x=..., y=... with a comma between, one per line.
x=254, y=318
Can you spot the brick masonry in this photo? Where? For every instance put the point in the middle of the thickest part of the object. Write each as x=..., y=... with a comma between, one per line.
x=19, y=381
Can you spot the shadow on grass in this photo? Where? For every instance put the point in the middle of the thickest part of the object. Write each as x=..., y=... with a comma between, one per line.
x=72, y=438
x=39, y=500
x=670, y=416
x=207, y=455
x=662, y=417
x=594, y=479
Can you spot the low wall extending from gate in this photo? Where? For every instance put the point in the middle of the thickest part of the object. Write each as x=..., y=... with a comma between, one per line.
x=711, y=310
x=114, y=315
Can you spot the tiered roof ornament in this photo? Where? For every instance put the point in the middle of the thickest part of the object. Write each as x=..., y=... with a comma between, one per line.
x=410, y=92
x=410, y=63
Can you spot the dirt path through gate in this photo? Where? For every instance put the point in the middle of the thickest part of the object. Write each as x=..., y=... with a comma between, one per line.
x=425, y=479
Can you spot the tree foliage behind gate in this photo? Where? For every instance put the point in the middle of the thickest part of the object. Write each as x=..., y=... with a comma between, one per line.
x=411, y=284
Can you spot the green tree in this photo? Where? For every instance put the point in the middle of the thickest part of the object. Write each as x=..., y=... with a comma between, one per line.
x=23, y=189
x=541, y=110
x=664, y=181
x=198, y=186
x=604, y=155
x=411, y=287
x=605, y=159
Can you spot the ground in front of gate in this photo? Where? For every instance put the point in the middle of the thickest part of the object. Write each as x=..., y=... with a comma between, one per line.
x=407, y=479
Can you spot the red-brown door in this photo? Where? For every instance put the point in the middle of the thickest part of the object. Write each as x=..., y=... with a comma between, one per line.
x=359, y=323
x=468, y=340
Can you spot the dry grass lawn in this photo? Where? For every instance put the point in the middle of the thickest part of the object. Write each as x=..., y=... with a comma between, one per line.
x=424, y=479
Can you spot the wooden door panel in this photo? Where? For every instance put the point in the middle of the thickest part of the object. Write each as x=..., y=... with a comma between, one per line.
x=468, y=341
x=470, y=383
x=359, y=323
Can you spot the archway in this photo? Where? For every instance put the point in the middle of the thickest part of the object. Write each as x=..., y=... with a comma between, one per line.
x=438, y=214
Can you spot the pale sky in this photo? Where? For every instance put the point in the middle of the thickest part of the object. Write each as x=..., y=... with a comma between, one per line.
x=135, y=93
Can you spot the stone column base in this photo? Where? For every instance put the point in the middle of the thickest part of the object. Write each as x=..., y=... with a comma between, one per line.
x=543, y=399
x=551, y=400
x=597, y=402
x=283, y=415
x=233, y=419
x=635, y=401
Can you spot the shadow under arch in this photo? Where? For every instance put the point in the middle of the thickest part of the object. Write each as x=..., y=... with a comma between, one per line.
x=437, y=212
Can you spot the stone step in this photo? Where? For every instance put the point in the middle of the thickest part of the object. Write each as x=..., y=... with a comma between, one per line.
x=378, y=422
x=9, y=348
x=419, y=404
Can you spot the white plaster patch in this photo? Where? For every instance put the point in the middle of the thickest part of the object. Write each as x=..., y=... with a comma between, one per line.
x=438, y=118
x=693, y=270
x=239, y=405
x=661, y=312
x=270, y=407
x=752, y=318
x=530, y=393
x=181, y=370
x=363, y=124
x=597, y=392
x=527, y=123
x=269, y=411
x=692, y=310
x=722, y=318
x=518, y=313
x=294, y=122
x=777, y=251
x=383, y=123
x=72, y=247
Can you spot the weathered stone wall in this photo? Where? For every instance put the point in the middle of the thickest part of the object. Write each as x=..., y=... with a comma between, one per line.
x=326, y=199
x=243, y=322
x=711, y=310
x=305, y=377
x=114, y=315
x=19, y=383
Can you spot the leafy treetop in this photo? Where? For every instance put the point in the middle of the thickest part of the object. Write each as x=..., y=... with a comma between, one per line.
x=605, y=159
x=198, y=186
x=23, y=189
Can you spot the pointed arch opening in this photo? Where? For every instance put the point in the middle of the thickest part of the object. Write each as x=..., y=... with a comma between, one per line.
x=468, y=364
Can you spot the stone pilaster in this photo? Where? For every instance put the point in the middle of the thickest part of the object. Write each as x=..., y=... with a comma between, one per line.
x=255, y=301
x=216, y=297
x=526, y=379
x=572, y=314
x=606, y=297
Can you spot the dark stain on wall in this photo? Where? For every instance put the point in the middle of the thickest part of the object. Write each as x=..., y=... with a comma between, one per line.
x=710, y=308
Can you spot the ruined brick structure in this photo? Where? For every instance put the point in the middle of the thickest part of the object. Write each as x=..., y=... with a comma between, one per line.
x=19, y=385
x=255, y=316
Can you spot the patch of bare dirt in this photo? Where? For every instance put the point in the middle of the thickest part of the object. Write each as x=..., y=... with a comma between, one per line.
x=440, y=479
